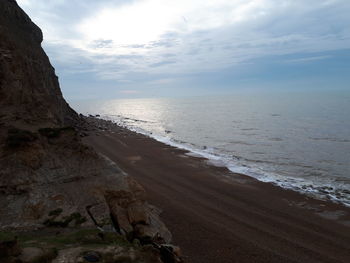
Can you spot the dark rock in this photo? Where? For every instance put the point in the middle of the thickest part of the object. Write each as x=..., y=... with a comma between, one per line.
x=174, y=249
x=92, y=257
x=9, y=248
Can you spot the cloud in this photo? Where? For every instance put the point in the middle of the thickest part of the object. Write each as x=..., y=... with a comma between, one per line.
x=162, y=81
x=162, y=63
x=102, y=43
x=114, y=40
x=129, y=91
x=308, y=59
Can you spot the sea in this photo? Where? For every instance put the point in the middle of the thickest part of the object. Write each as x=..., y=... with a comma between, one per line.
x=296, y=140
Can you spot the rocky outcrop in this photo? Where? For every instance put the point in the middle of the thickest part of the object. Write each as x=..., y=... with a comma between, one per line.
x=80, y=245
x=109, y=254
x=48, y=178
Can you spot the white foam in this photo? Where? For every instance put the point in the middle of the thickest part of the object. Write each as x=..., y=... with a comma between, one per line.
x=218, y=159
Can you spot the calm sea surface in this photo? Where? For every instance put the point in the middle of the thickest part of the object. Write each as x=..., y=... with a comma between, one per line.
x=296, y=140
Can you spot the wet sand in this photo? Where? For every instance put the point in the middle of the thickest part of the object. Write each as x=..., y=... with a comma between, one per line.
x=220, y=217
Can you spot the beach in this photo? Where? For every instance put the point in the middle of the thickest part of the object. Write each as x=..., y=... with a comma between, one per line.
x=219, y=216
x=184, y=132
x=304, y=148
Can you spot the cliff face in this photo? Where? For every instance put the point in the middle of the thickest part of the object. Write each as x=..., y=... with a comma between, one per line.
x=30, y=96
x=47, y=176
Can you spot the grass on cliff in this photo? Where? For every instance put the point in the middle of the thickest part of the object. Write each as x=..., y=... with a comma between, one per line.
x=69, y=238
x=77, y=218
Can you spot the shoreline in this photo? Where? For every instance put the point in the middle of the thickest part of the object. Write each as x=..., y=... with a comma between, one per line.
x=216, y=215
x=324, y=192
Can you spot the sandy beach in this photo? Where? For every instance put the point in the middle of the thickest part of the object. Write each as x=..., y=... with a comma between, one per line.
x=220, y=217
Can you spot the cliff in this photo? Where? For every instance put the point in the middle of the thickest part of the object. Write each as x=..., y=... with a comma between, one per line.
x=30, y=96
x=48, y=178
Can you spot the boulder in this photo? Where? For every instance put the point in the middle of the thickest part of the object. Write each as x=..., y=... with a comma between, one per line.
x=136, y=217
x=138, y=213
x=120, y=219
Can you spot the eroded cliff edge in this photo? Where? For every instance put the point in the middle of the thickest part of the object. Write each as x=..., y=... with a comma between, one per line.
x=48, y=178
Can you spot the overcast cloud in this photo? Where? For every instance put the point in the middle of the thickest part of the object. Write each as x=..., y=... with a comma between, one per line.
x=163, y=47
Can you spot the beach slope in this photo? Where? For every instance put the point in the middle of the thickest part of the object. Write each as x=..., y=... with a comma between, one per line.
x=218, y=216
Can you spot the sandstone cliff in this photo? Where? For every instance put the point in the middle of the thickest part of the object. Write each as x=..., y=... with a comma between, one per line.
x=48, y=178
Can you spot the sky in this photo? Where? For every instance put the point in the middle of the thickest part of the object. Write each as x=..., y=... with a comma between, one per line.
x=162, y=48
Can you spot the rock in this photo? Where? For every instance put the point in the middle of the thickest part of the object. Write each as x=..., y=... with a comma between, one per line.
x=100, y=213
x=174, y=249
x=83, y=134
x=136, y=243
x=70, y=255
x=29, y=254
x=120, y=218
x=92, y=257
x=167, y=256
x=137, y=190
x=9, y=248
x=156, y=225
x=35, y=254
x=138, y=214
x=155, y=231
x=109, y=254
x=170, y=254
